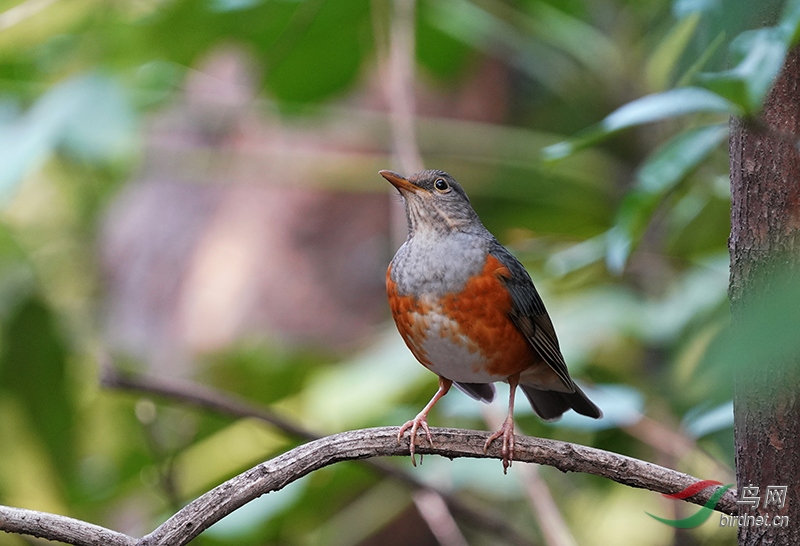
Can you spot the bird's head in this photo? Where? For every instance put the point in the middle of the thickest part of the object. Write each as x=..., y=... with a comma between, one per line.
x=434, y=201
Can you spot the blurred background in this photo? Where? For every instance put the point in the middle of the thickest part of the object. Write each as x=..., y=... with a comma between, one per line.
x=189, y=190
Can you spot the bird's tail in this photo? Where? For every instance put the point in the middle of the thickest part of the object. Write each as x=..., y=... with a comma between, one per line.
x=551, y=405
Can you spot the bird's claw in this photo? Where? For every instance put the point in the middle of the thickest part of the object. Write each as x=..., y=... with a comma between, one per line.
x=414, y=425
x=507, y=449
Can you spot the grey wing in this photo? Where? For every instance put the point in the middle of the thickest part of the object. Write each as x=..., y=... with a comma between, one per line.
x=530, y=315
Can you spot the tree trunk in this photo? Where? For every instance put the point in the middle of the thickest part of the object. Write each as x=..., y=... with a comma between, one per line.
x=764, y=247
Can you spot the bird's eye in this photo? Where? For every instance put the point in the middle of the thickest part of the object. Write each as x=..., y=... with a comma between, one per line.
x=441, y=185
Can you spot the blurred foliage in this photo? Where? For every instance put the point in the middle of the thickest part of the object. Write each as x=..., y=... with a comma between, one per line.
x=608, y=177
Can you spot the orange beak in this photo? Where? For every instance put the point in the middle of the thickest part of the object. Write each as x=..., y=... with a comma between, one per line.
x=399, y=182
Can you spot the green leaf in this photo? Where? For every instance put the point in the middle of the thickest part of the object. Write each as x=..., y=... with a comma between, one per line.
x=156, y=82
x=671, y=162
x=100, y=124
x=761, y=52
x=682, y=8
x=669, y=104
x=661, y=172
x=183, y=31
x=16, y=276
x=758, y=56
x=790, y=21
x=704, y=420
x=619, y=239
x=582, y=41
x=438, y=51
x=662, y=63
x=701, y=61
x=24, y=143
x=496, y=36
x=324, y=56
x=33, y=369
x=88, y=114
x=656, y=107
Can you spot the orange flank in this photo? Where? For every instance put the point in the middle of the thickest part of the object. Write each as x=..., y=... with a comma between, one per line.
x=479, y=314
x=408, y=312
x=482, y=311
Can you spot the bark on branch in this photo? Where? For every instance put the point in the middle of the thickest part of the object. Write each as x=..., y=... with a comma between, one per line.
x=52, y=527
x=276, y=473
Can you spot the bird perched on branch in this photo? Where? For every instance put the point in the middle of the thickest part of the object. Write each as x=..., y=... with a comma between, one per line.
x=469, y=312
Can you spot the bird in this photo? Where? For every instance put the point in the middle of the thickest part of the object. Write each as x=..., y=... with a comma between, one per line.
x=469, y=312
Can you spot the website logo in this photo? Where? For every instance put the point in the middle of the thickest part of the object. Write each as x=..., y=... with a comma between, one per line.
x=699, y=517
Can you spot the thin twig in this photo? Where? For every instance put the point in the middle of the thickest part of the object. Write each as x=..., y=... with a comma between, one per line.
x=200, y=396
x=399, y=90
x=432, y=508
x=400, y=85
x=551, y=522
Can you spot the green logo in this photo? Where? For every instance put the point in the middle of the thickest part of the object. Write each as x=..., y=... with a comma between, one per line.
x=699, y=517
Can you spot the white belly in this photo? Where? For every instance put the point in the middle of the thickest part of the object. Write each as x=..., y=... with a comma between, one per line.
x=449, y=353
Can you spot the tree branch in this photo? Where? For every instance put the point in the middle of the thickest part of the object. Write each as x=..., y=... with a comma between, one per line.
x=276, y=473
x=452, y=443
x=187, y=392
x=62, y=528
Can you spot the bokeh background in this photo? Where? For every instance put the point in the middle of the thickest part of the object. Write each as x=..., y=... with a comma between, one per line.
x=189, y=189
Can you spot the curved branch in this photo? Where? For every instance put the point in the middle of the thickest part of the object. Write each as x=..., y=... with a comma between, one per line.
x=275, y=474
x=187, y=392
x=62, y=528
x=361, y=444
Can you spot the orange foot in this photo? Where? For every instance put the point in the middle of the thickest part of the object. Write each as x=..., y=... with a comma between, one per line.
x=507, y=451
x=420, y=420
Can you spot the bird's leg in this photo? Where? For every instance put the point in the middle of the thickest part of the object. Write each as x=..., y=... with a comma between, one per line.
x=421, y=420
x=507, y=429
